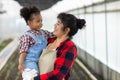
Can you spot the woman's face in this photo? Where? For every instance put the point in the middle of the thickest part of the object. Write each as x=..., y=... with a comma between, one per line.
x=36, y=22
x=58, y=29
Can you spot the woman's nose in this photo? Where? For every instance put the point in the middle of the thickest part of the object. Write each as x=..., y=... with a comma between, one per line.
x=41, y=23
x=55, y=25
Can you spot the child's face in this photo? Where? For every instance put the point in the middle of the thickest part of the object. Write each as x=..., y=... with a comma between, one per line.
x=36, y=22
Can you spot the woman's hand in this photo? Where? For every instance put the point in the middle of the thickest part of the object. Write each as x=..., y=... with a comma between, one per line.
x=21, y=67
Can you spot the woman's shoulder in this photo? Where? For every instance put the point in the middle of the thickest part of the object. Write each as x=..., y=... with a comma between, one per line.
x=67, y=44
x=70, y=45
x=70, y=42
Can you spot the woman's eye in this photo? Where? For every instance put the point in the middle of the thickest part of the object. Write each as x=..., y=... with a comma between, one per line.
x=58, y=23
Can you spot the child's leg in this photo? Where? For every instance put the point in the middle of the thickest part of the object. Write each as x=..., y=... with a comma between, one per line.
x=29, y=73
x=31, y=65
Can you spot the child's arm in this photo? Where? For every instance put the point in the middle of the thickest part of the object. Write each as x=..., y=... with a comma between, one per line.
x=21, y=61
x=48, y=34
x=23, y=47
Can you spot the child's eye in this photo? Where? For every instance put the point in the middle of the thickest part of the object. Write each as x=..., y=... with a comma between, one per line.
x=38, y=21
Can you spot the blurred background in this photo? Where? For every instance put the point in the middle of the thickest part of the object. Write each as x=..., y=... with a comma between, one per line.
x=98, y=44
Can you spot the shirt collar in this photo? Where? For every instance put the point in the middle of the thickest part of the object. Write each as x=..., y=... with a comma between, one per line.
x=62, y=43
x=36, y=32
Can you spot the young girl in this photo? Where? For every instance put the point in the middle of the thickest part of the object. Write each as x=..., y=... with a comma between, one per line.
x=32, y=42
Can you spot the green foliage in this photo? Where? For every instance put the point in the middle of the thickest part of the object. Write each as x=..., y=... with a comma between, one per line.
x=4, y=43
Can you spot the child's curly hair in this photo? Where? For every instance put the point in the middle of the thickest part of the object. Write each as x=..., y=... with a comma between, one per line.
x=27, y=12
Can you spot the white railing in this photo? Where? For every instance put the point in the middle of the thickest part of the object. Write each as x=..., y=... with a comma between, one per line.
x=7, y=52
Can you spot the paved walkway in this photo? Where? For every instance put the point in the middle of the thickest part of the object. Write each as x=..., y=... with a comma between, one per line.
x=10, y=70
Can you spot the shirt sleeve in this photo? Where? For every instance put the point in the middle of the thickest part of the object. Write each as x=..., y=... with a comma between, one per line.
x=48, y=34
x=24, y=43
x=63, y=64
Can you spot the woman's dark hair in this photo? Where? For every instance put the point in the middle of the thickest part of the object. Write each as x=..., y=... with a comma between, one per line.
x=27, y=12
x=70, y=21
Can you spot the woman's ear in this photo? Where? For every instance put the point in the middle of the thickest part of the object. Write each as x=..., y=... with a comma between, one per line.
x=67, y=30
x=28, y=22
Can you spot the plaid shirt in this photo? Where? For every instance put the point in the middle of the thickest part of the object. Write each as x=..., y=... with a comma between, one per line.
x=26, y=41
x=66, y=55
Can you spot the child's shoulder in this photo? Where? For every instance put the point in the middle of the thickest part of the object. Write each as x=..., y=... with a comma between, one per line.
x=24, y=35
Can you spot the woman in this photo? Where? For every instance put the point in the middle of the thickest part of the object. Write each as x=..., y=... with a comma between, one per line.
x=66, y=51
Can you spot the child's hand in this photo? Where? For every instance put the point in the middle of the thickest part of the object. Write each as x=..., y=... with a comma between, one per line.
x=21, y=67
x=32, y=78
